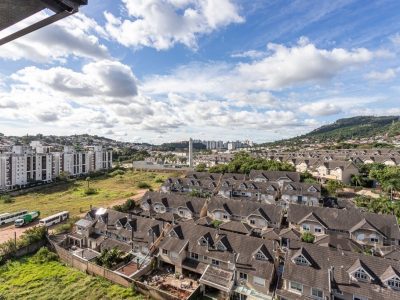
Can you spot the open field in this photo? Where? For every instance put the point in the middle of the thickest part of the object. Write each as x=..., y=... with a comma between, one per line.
x=29, y=279
x=71, y=197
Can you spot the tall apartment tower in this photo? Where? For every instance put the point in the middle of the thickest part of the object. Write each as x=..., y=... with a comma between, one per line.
x=190, y=153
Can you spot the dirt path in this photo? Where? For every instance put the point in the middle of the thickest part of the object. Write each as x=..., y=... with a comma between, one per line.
x=7, y=232
x=136, y=198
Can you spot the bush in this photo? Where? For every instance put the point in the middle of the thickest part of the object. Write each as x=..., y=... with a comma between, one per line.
x=89, y=191
x=201, y=167
x=6, y=199
x=44, y=255
x=116, y=172
x=159, y=180
x=127, y=206
x=216, y=223
x=308, y=237
x=143, y=185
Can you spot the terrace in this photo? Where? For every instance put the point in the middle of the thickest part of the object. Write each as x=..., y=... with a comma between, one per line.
x=178, y=285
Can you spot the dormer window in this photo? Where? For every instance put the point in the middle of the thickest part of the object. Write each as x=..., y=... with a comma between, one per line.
x=202, y=241
x=312, y=189
x=221, y=246
x=301, y=260
x=289, y=188
x=394, y=283
x=261, y=256
x=360, y=274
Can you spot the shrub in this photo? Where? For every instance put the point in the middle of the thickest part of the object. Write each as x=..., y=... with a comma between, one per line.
x=308, y=237
x=127, y=206
x=6, y=199
x=89, y=191
x=159, y=180
x=143, y=185
x=116, y=172
x=44, y=255
x=216, y=223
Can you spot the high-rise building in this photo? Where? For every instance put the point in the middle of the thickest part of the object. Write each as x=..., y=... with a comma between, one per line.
x=190, y=152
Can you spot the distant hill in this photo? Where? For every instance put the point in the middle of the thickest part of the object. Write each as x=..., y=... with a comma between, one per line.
x=350, y=128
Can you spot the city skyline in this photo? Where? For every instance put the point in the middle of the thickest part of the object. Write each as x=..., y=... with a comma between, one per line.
x=266, y=69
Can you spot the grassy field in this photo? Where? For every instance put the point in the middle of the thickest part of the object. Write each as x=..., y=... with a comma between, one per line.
x=71, y=196
x=28, y=279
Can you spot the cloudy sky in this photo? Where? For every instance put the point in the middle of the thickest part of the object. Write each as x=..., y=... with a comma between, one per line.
x=165, y=70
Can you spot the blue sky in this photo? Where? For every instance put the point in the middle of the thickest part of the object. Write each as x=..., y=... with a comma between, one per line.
x=165, y=70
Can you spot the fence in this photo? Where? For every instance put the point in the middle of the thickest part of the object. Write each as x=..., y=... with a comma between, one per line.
x=90, y=268
x=32, y=248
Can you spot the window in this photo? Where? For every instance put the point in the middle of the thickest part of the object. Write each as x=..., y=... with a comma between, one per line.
x=259, y=281
x=300, y=260
x=205, y=257
x=194, y=255
x=316, y=293
x=306, y=227
x=203, y=241
x=317, y=229
x=374, y=240
x=225, y=217
x=243, y=276
x=361, y=275
x=394, y=283
x=252, y=222
x=215, y=262
x=296, y=287
x=260, y=256
x=165, y=252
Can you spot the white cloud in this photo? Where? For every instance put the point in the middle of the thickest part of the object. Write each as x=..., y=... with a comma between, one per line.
x=300, y=64
x=381, y=76
x=335, y=105
x=321, y=109
x=75, y=36
x=110, y=80
x=249, y=54
x=162, y=24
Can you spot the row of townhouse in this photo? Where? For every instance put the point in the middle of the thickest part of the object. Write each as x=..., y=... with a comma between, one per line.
x=330, y=226
x=362, y=227
x=168, y=207
x=264, y=186
x=21, y=166
x=106, y=229
x=326, y=164
x=254, y=253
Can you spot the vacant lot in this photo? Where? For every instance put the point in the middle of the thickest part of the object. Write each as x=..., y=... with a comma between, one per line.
x=28, y=279
x=110, y=190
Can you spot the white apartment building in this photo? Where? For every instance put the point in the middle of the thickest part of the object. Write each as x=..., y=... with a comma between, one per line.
x=24, y=165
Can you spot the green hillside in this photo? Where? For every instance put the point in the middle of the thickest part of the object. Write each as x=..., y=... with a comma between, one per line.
x=350, y=128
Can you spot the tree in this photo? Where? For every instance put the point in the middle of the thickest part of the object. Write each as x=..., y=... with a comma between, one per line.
x=332, y=186
x=201, y=167
x=308, y=237
x=358, y=180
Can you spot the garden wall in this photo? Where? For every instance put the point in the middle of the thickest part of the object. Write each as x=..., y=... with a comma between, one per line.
x=90, y=268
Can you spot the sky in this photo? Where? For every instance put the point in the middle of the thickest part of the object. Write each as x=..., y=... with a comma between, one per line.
x=166, y=70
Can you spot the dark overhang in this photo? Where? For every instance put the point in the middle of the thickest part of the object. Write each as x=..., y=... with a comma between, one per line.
x=14, y=11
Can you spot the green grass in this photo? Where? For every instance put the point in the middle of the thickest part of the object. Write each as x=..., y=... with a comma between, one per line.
x=27, y=279
x=71, y=196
